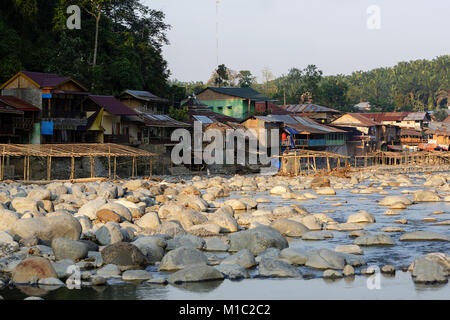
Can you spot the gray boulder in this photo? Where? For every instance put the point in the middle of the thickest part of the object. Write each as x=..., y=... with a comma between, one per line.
x=374, y=240
x=289, y=228
x=196, y=274
x=39, y=194
x=325, y=259
x=125, y=255
x=424, y=236
x=391, y=200
x=277, y=268
x=48, y=228
x=182, y=257
x=216, y=244
x=332, y=274
x=243, y=258
x=108, y=234
x=428, y=271
x=69, y=249
x=426, y=196
x=136, y=275
x=90, y=208
x=7, y=219
x=150, y=247
x=186, y=240
x=233, y=271
x=22, y=205
x=294, y=256
x=109, y=271
x=257, y=240
x=223, y=219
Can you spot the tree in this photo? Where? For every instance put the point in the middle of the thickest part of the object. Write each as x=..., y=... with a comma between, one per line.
x=246, y=79
x=222, y=75
x=95, y=8
x=179, y=114
x=440, y=114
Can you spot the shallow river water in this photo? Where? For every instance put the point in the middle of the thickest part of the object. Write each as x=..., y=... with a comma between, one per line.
x=313, y=286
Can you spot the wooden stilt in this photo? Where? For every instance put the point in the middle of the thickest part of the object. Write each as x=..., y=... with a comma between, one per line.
x=90, y=164
x=109, y=167
x=72, y=168
x=115, y=166
x=134, y=163
x=49, y=168
x=308, y=165
x=28, y=169
x=151, y=167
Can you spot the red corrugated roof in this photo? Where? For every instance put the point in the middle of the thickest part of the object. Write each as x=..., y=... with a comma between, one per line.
x=17, y=103
x=112, y=105
x=387, y=116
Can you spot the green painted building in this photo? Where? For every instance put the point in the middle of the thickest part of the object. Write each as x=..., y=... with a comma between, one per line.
x=233, y=102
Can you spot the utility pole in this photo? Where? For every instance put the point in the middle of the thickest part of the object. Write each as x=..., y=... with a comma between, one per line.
x=217, y=32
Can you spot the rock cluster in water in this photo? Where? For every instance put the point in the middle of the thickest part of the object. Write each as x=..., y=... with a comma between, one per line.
x=189, y=231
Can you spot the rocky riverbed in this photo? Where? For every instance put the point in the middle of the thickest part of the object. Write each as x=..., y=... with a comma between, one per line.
x=202, y=232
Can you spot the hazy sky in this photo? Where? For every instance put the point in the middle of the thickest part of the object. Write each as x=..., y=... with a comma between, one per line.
x=281, y=34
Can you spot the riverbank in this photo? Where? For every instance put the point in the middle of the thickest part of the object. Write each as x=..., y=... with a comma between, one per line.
x=259, y=229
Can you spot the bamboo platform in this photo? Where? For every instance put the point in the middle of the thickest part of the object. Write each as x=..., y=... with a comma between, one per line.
x=305, y=162
x=92, y=150
x=402, y=158
x=310, y=159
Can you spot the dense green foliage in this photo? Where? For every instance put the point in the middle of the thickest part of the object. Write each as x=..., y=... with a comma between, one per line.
x=408, y=86
x=35, y=38
x=180, y=114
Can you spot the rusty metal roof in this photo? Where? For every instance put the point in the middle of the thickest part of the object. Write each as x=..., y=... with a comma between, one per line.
x=17, y=103
x=396, y=116
x=307, y=108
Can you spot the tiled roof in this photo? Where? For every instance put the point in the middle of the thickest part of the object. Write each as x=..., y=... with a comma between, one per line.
x=112, y=105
